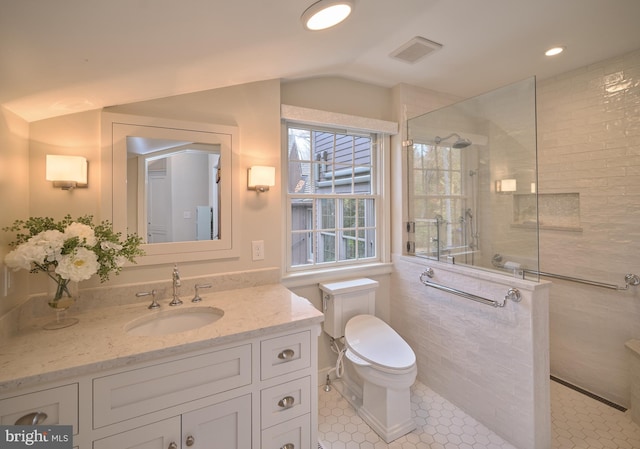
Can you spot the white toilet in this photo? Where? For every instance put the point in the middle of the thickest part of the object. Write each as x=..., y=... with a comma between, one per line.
x=380, y=366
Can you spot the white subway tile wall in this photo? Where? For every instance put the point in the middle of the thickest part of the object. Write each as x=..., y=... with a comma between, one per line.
x=491, y=362
x=589, y=146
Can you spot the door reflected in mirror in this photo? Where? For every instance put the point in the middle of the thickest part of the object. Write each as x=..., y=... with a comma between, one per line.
x=174, y=189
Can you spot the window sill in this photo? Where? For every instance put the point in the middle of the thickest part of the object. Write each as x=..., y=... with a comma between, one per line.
x=299, y=279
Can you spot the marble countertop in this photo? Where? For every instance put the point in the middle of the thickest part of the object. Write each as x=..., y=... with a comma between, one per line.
x=99, y=341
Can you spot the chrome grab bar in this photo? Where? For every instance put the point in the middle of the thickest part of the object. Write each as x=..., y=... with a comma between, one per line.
x=629, y=279
x=512, y=294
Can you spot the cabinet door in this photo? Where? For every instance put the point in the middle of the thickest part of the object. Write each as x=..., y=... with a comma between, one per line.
x=226, y=425
x=158, y=435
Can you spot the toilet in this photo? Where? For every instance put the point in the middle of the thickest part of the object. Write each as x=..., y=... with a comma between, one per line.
x=380, y=366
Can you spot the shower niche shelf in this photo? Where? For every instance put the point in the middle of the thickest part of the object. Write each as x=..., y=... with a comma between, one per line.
x=556, y=211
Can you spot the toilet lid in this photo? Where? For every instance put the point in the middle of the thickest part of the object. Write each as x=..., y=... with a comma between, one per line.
x=373, y=340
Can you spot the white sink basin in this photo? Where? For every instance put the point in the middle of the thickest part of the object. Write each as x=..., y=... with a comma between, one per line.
x=173, y=321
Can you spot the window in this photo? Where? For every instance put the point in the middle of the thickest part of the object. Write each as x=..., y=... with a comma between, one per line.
x=437, y=193
x=332, y=197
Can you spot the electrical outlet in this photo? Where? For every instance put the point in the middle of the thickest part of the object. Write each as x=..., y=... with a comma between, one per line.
x=257, y=249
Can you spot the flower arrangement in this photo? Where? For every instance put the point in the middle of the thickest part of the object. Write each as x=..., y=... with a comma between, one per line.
x=70, y=250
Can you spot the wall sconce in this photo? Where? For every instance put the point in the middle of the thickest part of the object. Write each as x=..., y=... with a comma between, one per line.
x=67, y=172
x=260, y=178
x=506, y=185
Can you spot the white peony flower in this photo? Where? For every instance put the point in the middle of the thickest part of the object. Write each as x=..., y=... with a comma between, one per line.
x=83, y=232
x=78, y=266
x=48, y=244
x=19, y=258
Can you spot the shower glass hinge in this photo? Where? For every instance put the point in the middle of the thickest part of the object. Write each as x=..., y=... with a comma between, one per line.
x=411, y=227
x=407, y=143
x=411, y=247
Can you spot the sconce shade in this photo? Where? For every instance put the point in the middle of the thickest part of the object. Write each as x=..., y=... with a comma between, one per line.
x=66, y=172
x=506, y=185
x=260, y=178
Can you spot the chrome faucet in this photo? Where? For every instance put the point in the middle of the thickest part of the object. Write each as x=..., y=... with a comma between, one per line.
x=176, y=283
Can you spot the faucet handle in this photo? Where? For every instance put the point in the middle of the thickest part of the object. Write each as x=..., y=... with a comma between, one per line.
x=176, y=276
x=154, y=303
x=197, y=297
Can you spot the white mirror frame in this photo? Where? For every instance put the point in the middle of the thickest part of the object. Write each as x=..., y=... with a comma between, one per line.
x=115, y=129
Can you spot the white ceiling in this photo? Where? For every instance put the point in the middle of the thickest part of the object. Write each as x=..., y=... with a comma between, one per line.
x=64, y=56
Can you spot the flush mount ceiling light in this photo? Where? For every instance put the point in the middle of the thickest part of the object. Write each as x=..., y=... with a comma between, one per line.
x=554, y=51
x=326, y=13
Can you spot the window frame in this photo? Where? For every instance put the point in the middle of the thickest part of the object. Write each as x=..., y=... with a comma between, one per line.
x=377, y=175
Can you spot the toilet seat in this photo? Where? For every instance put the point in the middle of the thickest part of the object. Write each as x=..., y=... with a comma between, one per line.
x=373, y=341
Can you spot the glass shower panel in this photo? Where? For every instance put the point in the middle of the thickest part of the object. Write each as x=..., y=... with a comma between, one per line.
x=472, y=181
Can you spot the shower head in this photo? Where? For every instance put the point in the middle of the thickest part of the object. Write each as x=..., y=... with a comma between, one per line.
x=459, y=143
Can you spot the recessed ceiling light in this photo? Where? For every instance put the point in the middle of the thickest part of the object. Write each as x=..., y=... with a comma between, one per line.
x=326, y=13
x=554, y=51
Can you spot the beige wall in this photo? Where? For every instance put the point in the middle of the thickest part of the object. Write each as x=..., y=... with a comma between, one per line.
x=340, y=95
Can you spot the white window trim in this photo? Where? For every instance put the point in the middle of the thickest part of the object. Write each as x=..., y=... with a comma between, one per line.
x=385, y=129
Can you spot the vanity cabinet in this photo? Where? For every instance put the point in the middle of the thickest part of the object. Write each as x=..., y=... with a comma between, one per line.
x=258, y=392
x=226, y=425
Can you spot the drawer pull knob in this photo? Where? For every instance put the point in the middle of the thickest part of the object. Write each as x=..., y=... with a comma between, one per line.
x=190, y=440
x=173, y=445
x=31, y=419
x=286, y=402
x=288, y=446
x=286, y=354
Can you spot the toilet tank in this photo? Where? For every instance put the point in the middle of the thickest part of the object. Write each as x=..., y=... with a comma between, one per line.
x=343, y=300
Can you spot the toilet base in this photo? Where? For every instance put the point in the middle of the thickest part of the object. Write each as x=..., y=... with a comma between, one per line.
x=387, y=411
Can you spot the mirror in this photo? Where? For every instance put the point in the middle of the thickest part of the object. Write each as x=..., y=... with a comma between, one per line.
x=173, y=190
x=171, y=183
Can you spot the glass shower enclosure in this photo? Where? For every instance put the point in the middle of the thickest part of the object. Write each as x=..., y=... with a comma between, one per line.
x=472, y=176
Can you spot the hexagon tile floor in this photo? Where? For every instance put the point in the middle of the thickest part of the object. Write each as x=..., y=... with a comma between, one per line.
x=577, y=422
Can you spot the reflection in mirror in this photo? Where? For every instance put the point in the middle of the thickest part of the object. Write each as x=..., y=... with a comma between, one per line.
x=171, y=182
x=175, y=187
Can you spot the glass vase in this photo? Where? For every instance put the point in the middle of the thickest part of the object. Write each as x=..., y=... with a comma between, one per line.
x=61, y=294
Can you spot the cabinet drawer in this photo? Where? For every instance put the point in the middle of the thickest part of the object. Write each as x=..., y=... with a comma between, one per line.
x=60, y=404
x=296, y=433
x=122, y=396
x=285, y=354
x=284, y=402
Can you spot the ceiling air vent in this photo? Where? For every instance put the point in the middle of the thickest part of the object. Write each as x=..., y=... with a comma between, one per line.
x=416, y=49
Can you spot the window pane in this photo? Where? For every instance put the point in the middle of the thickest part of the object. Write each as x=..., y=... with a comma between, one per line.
x=348, y=246
x=299, y=144
x=301, y=215
x=366, y=212
x=348, y=213
x=326, y=247
x=301, y=249
x=299, y=177
x=327, y=213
